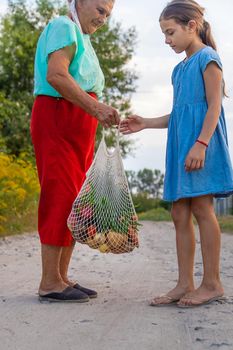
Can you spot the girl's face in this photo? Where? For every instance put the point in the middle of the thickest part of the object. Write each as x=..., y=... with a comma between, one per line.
x=178, y=37
x=93, y=14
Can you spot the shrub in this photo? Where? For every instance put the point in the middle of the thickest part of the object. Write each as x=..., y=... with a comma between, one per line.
x=19, y=190
x=144, y=203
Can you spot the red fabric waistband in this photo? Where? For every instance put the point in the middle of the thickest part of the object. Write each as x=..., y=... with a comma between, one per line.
x=93, y=94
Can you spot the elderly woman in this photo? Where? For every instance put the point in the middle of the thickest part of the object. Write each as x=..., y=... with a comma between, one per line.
x=66, y=111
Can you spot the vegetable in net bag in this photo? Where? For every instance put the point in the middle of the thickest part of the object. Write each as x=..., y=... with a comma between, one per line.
x=103, y=214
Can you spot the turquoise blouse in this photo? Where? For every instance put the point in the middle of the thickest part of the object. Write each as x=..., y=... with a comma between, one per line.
x=84, y=68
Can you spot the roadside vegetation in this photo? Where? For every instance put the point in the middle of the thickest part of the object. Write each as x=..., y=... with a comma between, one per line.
x=19, y=190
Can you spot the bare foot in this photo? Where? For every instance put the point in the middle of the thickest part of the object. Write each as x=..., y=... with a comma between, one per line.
x=171, y=297
x=200, y=296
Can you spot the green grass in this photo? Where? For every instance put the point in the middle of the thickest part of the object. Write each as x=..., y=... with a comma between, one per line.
x=226, y=223
x=158, y=214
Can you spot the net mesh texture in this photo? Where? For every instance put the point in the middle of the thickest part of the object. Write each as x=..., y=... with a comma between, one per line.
x=103, y=215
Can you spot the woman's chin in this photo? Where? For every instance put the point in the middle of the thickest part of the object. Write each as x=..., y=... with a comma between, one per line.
x=90, y=30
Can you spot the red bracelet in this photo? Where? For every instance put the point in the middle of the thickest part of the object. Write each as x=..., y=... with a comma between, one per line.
x=202, y=142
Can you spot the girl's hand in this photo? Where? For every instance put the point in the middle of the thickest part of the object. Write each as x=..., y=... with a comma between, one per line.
x=196, y=157
x=132, y=124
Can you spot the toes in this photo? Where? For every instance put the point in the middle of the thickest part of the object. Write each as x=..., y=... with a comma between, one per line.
x=156, y=301
x=185, y=302
x=163, y=300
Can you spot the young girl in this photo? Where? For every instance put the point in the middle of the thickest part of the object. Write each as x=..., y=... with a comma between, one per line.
x=198, y=165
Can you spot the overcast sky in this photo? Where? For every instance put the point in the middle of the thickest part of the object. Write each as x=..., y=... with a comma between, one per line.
x=154, y=62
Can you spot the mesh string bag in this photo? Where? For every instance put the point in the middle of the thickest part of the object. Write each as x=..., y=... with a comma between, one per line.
x=103, y=215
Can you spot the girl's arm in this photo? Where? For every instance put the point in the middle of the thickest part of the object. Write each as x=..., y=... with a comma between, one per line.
x=213, y=86
x=135, y=123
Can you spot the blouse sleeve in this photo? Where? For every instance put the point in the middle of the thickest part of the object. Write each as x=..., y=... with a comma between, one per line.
x=208, y=57
x=61, y=33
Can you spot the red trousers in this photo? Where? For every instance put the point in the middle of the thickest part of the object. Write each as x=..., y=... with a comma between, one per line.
x=63, y=136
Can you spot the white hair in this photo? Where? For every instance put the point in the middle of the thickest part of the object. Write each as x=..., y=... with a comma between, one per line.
x=73, y=11
x=72, y=8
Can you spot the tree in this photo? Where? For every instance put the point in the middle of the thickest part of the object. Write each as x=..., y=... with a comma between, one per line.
x=14, y=129
x=115, y=49
x=150, y=181
x=132, y=180
x=145, y=182
x=19, y=32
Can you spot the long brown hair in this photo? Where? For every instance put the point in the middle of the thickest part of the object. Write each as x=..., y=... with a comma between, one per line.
x=183, y=11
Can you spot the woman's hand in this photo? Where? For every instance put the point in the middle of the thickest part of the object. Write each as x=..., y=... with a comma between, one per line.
x=106, y=115
x=132, y=124
x=196, y=157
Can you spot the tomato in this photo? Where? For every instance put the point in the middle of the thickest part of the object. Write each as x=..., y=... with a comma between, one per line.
x=133, y=236
x=91, y=231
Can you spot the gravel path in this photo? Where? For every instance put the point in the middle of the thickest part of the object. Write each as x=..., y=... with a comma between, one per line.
x=120, y=317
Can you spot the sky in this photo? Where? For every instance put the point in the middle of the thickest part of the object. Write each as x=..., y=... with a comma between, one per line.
x=154, y=61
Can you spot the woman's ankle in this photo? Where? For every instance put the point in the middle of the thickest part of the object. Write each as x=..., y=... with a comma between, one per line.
x=47, y=285
x=68, y=281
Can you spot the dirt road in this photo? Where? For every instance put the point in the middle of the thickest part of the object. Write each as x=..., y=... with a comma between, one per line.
x=120, y=317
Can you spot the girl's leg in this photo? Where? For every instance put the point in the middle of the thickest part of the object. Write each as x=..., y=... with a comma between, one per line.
x=185, y=244
x=210, y=235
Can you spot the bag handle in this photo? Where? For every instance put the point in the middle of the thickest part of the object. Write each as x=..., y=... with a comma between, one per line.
x=117, y=137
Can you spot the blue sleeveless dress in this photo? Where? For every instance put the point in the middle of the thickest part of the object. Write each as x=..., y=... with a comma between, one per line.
x=185, y=124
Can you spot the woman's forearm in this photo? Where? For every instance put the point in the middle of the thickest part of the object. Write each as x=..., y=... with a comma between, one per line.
x=71, y=91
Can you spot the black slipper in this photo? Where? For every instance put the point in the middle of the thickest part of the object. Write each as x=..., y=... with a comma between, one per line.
x=69, y=294
x=91, y=293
